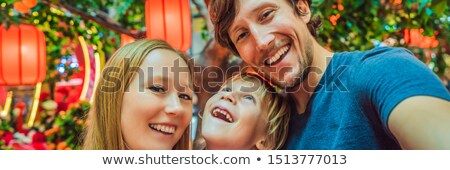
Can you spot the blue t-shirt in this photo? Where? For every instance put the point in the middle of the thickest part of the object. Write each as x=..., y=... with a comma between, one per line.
x=351, y=105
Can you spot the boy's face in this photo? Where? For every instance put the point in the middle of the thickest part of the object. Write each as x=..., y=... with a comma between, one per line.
x=235, y=117
x=270, y=36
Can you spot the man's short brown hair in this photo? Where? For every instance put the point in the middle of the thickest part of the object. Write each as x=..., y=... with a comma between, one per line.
x=223, y=12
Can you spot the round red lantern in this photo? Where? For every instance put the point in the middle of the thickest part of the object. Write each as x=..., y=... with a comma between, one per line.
x=125, y=39
x=22, y=55
x=169, y=20
x=21, y=7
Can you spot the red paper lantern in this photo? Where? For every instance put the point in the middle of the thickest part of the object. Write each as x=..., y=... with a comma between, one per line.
x=125, y=39
x=22, y=55
x=21, y=7
x=30, y=3
x=169, y=20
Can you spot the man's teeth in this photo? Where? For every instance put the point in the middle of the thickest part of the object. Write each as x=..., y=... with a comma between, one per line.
x=163, y=128
x=220, y=111
x=277, y=55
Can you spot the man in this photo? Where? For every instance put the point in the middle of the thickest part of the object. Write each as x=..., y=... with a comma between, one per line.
x=379, y=99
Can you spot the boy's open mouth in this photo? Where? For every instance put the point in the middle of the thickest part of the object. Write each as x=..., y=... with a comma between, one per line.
x=222, y=113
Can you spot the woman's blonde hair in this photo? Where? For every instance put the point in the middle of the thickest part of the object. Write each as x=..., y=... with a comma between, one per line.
x=103, y=131
x=278, y=110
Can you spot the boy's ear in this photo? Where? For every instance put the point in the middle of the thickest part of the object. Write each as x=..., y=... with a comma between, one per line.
x=303, y=10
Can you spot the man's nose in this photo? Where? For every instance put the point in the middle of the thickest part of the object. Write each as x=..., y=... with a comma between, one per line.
x=262, y=37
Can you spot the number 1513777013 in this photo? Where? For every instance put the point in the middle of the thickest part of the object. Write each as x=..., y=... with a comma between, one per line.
x=307, y=159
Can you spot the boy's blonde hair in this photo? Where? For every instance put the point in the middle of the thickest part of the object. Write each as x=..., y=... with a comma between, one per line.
x=103, y=131
x=278, y=110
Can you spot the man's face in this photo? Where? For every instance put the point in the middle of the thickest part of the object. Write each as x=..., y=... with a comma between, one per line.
x=273, y=39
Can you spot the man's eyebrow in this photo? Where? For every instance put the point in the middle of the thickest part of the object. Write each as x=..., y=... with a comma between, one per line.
x=255, y=10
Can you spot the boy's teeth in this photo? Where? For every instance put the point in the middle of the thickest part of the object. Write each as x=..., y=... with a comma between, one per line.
x=219, y=111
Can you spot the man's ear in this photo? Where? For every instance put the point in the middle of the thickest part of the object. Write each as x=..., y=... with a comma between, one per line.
x=303, y=10
x=261, y=145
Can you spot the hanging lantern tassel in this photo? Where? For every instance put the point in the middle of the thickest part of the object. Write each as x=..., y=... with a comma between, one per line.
x=21, y=106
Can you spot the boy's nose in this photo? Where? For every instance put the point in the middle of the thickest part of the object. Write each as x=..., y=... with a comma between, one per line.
x=229, y=97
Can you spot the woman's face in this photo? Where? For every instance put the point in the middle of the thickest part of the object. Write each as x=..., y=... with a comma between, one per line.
x=157, y=106
x=235, y=117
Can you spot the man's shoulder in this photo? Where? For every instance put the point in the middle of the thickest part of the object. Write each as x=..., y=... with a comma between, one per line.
x=383, y=53
x=379, y=56
x=376, y=54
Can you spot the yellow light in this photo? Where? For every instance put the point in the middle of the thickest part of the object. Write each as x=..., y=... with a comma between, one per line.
x=94, y=30
x=35, y=13
x=8, y=102
x=71, y=22
x=35, y=105
x=36, y=21
x=53, y=10
x=87, y=68
x=3, y=4
x=97, y=73
x=89, y=31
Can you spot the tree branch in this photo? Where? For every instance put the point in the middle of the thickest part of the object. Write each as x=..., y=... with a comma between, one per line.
x=100, y=19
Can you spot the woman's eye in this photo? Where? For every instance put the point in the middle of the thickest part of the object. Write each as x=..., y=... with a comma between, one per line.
x=157, y=89
x=226, y=89
x=185, y=97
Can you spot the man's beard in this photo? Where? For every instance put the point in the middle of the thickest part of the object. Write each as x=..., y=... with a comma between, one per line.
x=300, y=76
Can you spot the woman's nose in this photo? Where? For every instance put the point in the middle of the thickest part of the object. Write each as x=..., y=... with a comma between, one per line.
x=173, y=105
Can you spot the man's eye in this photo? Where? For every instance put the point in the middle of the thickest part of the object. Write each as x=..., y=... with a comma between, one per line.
x=157, y=89
x=266, y=14
x=226, y=89
x=242, y=35
x=185, y=97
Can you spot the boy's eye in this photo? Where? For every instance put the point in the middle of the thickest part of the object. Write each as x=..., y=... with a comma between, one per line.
x=226, y=89
x=185, y=97
x=157, y=89
x=249, y=98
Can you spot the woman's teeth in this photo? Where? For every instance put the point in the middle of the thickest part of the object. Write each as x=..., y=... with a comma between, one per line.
x=277, y=56
x=163, y=128
x=222, y=114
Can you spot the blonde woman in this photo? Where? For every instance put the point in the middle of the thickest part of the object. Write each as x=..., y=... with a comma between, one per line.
x=143, y=100
x=246, y=114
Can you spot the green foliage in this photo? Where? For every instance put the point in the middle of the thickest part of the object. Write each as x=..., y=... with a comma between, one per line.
x=363, y=22
x=68, y=126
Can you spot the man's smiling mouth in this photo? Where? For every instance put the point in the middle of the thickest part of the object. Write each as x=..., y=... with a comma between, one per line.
x=278, y=56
